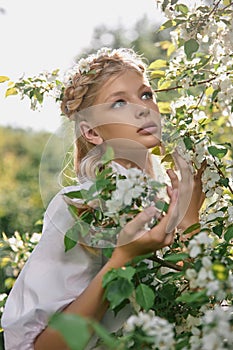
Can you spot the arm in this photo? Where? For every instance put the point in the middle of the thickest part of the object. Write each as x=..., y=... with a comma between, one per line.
x=91, y=303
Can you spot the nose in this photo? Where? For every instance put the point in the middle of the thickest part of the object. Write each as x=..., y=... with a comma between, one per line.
x=142, y=112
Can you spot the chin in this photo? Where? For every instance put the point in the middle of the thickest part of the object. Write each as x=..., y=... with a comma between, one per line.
x=153, y=142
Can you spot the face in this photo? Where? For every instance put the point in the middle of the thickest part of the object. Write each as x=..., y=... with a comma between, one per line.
x=125, y=109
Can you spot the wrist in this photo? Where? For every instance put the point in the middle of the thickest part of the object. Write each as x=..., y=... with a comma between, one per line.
x=184, y=224
x=118, y=258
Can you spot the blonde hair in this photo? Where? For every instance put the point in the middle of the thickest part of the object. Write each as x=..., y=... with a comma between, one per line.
x=81, y=92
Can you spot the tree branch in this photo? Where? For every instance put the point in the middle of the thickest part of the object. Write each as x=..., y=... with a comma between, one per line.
x=214, y=8
x=221, y=174
x=180, y=86
x=164, y=263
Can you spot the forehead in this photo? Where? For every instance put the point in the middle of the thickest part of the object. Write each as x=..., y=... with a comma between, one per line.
x=127, y=82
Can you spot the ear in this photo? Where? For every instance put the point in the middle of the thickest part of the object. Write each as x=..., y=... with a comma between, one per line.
x=89, y=133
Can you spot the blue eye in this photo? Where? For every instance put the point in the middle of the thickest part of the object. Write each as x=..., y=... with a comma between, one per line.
x=147, y=95
x=118, y=104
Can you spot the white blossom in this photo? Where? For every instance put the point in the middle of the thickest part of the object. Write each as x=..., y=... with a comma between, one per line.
x=230, y=213
x=159, y=329
x=217, y=329
x=197, y=243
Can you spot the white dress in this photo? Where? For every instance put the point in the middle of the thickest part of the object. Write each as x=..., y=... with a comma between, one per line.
x=50, y=280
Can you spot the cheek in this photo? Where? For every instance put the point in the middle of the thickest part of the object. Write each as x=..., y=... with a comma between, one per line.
x=116, y=130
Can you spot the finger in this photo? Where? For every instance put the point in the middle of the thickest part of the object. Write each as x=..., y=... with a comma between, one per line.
x=169, y=191
x=173, y=177
x=201, y=170
x=182, y=165
x=170, y=220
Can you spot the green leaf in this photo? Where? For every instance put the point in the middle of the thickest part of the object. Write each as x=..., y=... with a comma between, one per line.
x=3, y=78
x=39, y=96
x=73, y=211
x=126, y=272
x=220, y=271
x=168, y=158
x=69, y=243
x=218, y=152
x=11, y=91
x=156, y=150
x=176, y=257
x=161, y=205
x=218, y=230
x=118, y=290
x=229, y=233
x=145, y=296
x=72, y=235
x=109, y=276
x=182, y=8
x=190, y=297
x=108, y=156
x=158, y=64
x=192, y=228
x=164, y=107
x=108, y=340
x=168, y=24
x=123, y=272
x=73, y=328
x=224, y=182
x=190, y=47
x=157, y=74
x=76, y=194
x=188, y=142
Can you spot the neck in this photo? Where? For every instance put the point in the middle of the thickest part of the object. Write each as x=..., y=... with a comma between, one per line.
x=129, y=153
x=145, y=164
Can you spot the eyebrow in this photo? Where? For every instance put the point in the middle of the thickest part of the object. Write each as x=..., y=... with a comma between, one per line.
x=118, y=93
x=114, y=94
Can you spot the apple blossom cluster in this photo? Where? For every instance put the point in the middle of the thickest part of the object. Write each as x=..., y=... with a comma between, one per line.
x=158, y=333
x=200, y=243
x=111, y=201
x=136, y=184
x=208, y=32
x=20, y=248
x=215, y=330
x=196, y=156
x=213, y=276
x=84, y=64
x=35, y=88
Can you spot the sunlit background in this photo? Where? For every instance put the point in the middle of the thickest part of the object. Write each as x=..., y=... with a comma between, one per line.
x=44, y=35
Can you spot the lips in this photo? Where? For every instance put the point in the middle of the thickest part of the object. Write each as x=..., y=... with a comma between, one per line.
x=148, y=129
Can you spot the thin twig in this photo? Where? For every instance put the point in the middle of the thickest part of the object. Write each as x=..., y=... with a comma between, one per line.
x=224, y=8
x=164, y=263
x=198, y=102
x=214, y=8
x=221, y=173
x=180, y=86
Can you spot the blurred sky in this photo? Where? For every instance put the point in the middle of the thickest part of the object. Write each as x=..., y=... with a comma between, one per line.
x=44, y=35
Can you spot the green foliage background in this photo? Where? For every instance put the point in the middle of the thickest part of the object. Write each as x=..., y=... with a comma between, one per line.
x=21, y=205
x=20, y=202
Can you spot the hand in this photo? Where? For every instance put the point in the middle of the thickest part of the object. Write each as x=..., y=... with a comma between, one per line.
x=134, y=240
x=184, y=184
x=194, y=197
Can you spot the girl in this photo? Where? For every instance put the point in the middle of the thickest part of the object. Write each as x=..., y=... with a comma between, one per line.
x=109, y=97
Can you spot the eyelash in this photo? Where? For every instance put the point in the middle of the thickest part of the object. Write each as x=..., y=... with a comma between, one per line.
x=148, y=93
